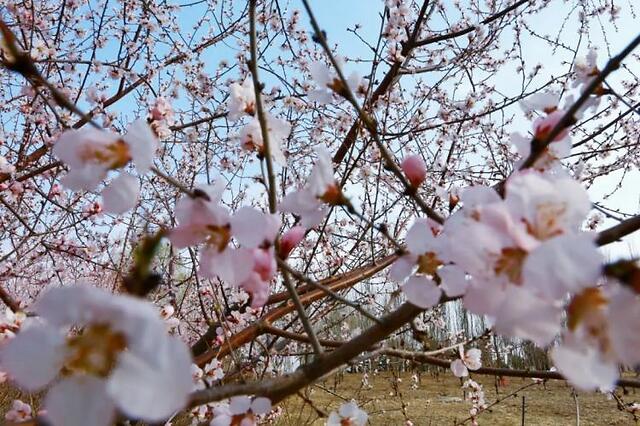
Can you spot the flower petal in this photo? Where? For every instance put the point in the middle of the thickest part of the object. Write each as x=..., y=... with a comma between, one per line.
x=585, y=368
x=34, y=356
x=153, y=384
x=422, y=291
x=79, y=401
x=142, y=143
x=121, y=194
x=458, y=368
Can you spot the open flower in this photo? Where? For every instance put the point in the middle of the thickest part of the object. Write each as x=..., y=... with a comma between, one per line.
x=241, y=410
x=213, y=371
x=251, y=137
x=329, y=83
x=321, y=187
x=122, y=358
x=242, y=99
x=201, y=219
x=469, y=360
x=598, y=337
x=19, y=412
x=560, y=146
x=91, y=153
x=348, y=415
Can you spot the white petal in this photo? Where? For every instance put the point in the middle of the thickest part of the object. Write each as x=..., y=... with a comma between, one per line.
x=239, y=404
x=261, y=405
x=333, y=419
x=522, y=314
x=321, y=73
x=304, y=204
x=142, y=144
x=422, y=291
x=152, y=386
x=320, y=96
x=458, y=368
x=252, y=228
x=402, y=268
x=584, y=368
x=232, y=266
x=321, y=176
x=34, y=356
x=79, y=401
x=419, y=237
x=475, y=196
x=624, y=310
x=85, y=177
x=121, y=194
x=540, y=101
x=563, y=264
x=454, y=281
x=484, y=298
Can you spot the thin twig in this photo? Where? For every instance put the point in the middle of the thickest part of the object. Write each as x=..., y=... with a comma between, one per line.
x=301, y=277
x=264, y=126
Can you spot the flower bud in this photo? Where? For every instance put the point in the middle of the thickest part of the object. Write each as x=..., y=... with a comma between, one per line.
x=290, y=240
x=414, y=168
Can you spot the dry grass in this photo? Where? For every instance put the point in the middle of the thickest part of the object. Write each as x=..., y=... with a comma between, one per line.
x=438, y=401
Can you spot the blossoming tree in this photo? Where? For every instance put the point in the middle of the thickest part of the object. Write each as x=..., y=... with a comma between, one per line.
x=208, y=206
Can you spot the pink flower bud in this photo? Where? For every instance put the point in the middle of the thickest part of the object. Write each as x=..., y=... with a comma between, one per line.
x=264, y=263
x=543, y=126
x=290, y=240
x=415, y=170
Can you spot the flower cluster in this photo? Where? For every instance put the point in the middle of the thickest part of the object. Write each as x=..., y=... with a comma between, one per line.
x=161, y=117
x=242, y=101
x=252, y=266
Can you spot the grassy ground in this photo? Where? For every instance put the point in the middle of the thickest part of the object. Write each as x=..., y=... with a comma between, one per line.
x=438, y=401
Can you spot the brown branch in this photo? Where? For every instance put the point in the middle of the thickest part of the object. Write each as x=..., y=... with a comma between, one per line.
x=492, y=371
x=204, y=353
x=279, y=388
x=618, y=231
x=538, y=146
x=467, y=30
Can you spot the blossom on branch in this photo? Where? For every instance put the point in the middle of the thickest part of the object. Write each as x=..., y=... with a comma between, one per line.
x=321, y=187
x=349, y=414
x=121, y=358
x=242, y=99
x=91, y=153
x=241, y=410
x=329, y=83
x=469, y=360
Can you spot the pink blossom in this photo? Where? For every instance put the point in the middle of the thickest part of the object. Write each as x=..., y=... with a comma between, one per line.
x=242, y=99
x=414, y=168
x=19, y=412
x=469, y=360
x=290, y=240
